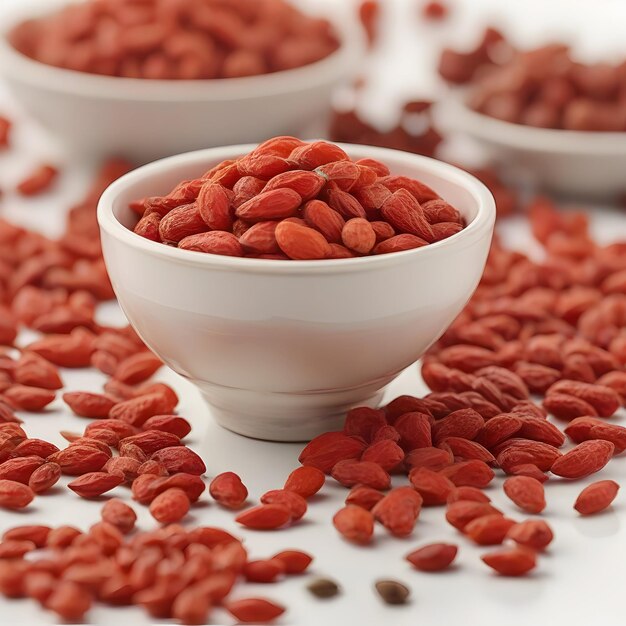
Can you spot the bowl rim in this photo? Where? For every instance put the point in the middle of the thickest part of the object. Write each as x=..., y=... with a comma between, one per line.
x=481, y=225
x=455, y=112
x=15, y=64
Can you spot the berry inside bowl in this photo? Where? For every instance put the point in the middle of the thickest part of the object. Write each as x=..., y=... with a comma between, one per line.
x=281, y=349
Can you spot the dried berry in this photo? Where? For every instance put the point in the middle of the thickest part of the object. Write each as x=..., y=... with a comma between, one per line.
x=94, y=484
x=305, y=481
x=355, y=524
x=14, y=495
x=596, y=497
x=462, y=512
x=294, y=502
x=295, y=561
x=38, y=181
x=398, y=510
x=526, y=492
x=228, y=490
x=254, y=610
x=265, y=517
x=511, y=562
x=586, y=458
x=533, y=534
x=170, y=506
x=264, y=571
x=118, y=513
x=350, y=473
x=433, y=557
x=488, y=530
x=365, y=497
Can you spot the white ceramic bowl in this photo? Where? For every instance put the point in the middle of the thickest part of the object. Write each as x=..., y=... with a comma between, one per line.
x=281, y=349
x=581, y=163
x=146, y=119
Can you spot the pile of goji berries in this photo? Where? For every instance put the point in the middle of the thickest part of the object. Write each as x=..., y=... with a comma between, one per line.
x=288, y=199
x=53, y=286
x=172, y=572
x=543, y=87
x=191, y=39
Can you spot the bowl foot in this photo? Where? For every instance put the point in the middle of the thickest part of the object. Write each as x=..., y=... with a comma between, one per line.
x=284, y=416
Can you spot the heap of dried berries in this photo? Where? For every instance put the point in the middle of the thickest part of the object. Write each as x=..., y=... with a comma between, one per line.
x=203, y=39
x=288, y=199
x=172, y=572
x=543, y=87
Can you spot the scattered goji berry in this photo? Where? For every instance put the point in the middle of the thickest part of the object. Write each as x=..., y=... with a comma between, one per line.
x=596, y=497
x=511, y=562
x=433, y=557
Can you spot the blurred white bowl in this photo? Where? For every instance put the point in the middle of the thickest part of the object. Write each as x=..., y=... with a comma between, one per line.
x=143, y=119
x=281, y=349
x=590, y=164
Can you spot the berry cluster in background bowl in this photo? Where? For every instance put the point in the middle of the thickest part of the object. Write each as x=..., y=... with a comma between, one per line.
x=288, y=199
x=190, y=39
x=543, y=87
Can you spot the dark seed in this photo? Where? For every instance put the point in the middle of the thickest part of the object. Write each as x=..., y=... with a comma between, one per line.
x=392, y=592
x=323, y=588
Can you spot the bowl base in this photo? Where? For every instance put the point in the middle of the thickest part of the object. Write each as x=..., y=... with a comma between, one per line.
x=285, y=417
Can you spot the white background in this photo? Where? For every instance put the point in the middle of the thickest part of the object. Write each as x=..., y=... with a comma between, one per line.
x=579, y=581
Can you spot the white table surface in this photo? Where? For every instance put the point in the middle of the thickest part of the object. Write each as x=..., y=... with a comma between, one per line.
x=579, y=581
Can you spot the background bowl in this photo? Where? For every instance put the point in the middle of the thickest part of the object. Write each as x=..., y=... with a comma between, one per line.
x=281, y=349
x=146, y=119
x=581, y=163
